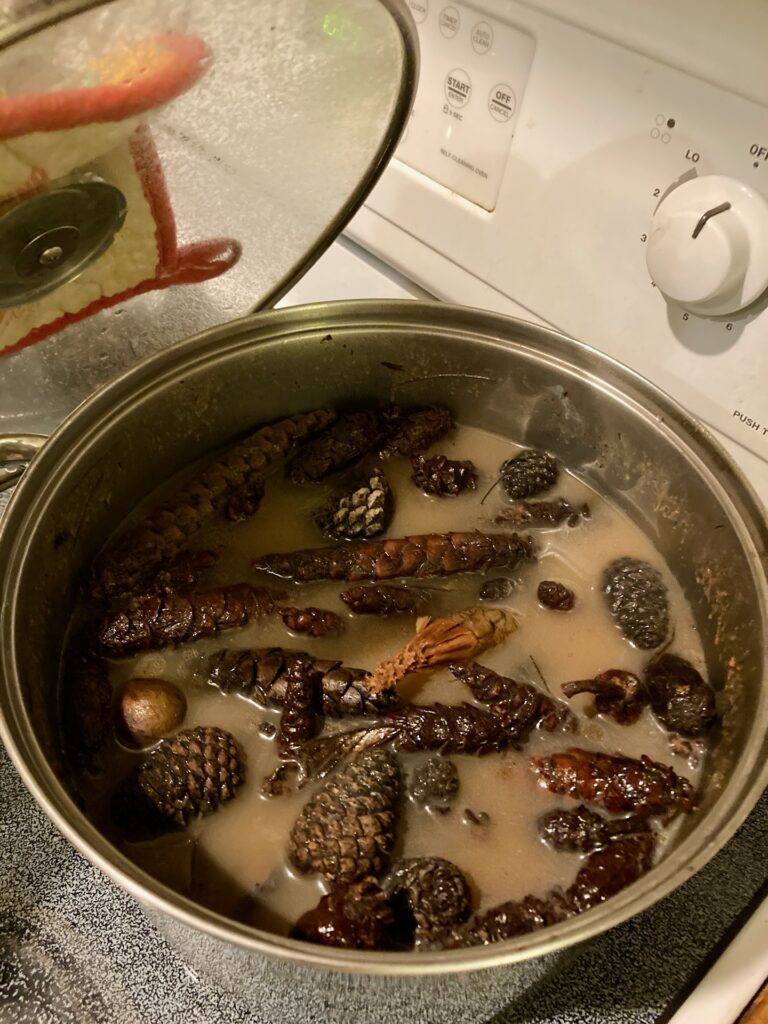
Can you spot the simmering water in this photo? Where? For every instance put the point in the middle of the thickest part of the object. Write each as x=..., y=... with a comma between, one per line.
x=234, y=860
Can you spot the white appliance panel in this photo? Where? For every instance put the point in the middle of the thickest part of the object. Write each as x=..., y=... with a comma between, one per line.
x=602, y=134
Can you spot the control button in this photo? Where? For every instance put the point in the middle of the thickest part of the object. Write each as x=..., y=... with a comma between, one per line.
x=502, y=102
x=419, y=9
x=707, y=247
x=458, y=87
x=449, y=22
x=482, y=37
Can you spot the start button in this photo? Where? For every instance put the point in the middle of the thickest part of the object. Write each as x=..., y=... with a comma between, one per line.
x=458, y=87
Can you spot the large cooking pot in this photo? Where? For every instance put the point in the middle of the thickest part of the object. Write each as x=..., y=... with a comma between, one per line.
x=533, y=385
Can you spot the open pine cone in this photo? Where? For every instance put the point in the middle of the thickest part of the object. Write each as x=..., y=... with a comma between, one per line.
x=346, y=831
x=192, y=773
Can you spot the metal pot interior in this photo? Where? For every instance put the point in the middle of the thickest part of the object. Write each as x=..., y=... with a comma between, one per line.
x=609, y=426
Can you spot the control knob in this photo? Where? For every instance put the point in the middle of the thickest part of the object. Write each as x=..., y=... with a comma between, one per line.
x=707, y=247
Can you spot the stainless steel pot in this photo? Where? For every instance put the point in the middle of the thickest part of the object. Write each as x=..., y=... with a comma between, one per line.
x=613, y=428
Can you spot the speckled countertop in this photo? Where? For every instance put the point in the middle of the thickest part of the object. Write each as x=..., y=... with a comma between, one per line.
x=75, y=949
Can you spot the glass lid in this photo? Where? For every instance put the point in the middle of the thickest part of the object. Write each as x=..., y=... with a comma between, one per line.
x=167, y=166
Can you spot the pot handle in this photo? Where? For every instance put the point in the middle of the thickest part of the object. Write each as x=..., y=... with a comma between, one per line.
x=16, y=452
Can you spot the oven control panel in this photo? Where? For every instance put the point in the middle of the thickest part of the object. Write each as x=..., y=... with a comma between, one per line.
x=471, y=84
x=580, y=211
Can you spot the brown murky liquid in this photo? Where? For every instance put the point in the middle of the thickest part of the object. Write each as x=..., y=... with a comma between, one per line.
x=234, y=860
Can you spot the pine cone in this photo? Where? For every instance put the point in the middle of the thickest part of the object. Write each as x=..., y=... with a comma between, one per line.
x=192, y=773
x=510, y=919
x=528, y=514
x=637, y=598
x=555, y=596
x=216, y=488
x=615, y=783
x=262, y=675
x=346, y=830
x=583, y=830
x=313, y=621
x=522, y=706
x=458, y=729
x=383, y=600
x=355, y=916
x=165, y=620
x=528, y=474
x=346, y=441
x=362, y=513
x=418, y=431
x=609, y=870
x=441, y=476
x=435, y=783
x=680, y=698
x=423, y=555
x=434, y=894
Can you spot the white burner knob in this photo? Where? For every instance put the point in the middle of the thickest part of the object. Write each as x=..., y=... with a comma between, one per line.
x=707, y=248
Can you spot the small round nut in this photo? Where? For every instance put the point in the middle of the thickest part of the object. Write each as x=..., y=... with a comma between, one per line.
x=148, y=709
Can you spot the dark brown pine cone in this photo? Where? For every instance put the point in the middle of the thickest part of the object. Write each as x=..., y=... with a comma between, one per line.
x=356, y=916
x=583, y=830
x=617, y=784
x=430, y=895
x=420, y=556
x=498, y=589
x=542, y=514
x=530, y=473
x=680, y=698
x=361, y=513
x=510, y=919
x=192, y=773
x=604, y=874
x=609, y=870
x=435, y=783
x=522, y=706
x=555, y=595
x=637, y=599
x=346, y=830
x=164, y=620
x=381, y=599
x=262, y=675
x=126, y=565
x=418, y=431
x=618, y=694
x=313, y=621
x=454, y=729
x=442, y=476
x=346, y=441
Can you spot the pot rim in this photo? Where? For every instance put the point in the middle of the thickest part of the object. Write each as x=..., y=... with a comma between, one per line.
x=91, y=422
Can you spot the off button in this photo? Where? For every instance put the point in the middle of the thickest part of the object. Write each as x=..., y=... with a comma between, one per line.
x=502, y=102
x=458, y=87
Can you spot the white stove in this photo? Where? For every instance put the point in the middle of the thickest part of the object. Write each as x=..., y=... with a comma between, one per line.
x=558, y=161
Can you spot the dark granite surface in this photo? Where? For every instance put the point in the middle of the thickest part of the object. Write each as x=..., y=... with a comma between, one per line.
x=75, y=949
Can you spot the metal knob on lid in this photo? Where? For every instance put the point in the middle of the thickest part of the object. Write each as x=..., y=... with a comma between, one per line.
x=49, y=239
